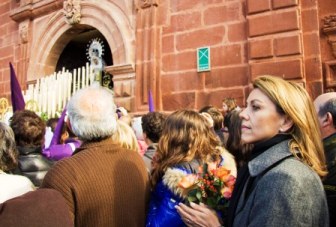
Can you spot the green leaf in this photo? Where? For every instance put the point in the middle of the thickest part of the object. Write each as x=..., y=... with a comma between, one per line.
x=199, y=196
x=193, y=192
x=192, y=199
x=211, y=202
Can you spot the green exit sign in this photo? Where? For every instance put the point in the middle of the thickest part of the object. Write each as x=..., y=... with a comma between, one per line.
x=203, y=59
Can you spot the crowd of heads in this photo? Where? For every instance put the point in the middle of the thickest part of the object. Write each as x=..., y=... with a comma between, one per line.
x=185, y=135
x=92, y=116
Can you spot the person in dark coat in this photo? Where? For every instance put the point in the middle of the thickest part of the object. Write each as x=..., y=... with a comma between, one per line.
x=29, y=130
x=325, y=106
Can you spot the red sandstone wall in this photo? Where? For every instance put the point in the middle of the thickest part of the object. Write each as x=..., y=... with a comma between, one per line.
x=9, y=49
x=192, y=24
x=247, y=39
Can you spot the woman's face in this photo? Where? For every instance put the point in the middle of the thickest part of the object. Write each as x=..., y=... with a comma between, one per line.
x=260, y=121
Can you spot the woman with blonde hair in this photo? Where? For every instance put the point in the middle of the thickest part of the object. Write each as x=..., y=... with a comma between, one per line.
x=186, y=143
x=125, y=136
x=286, y=163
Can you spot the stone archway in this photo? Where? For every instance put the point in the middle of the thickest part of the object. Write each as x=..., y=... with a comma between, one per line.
x=114, y=20
x=52, y=33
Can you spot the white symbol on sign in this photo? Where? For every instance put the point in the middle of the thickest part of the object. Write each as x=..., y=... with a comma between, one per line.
x=204, y=54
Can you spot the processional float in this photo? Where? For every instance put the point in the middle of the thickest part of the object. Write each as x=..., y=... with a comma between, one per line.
x=49, y=95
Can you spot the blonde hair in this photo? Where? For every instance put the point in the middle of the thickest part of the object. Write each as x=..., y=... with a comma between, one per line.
x=125, y=136
x=231, y=103
x=293, y=100
x=185, y=137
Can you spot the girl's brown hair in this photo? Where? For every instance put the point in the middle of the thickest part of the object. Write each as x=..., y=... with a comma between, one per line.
x=185, y=137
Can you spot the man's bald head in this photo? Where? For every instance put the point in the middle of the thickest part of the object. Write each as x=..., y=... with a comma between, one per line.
x=325, y=105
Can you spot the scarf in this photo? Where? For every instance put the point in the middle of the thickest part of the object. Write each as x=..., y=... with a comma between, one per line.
x=244, y=174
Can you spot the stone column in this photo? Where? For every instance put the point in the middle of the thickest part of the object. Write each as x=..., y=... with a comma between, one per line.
x=147, y=54
x=329, y=29
x=23, y=52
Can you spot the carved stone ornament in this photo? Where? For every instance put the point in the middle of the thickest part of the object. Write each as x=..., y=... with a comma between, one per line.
x=329, y=22
x=148, y=3
x=23, y=32
x=72, y=11
x=329, y=28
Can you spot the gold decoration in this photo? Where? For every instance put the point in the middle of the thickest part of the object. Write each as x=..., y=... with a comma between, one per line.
x=3, y=107
x=32, y=105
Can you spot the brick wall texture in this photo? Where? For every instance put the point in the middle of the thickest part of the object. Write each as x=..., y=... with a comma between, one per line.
x=247, y=38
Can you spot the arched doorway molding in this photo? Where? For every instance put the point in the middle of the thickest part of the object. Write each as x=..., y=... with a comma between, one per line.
x=106, y=17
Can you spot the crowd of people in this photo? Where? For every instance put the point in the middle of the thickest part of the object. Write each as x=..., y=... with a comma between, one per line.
x=276, y=157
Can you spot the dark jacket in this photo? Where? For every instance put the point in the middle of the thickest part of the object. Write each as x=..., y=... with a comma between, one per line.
x=33, y=164
x=285, y=192
x=330, y=181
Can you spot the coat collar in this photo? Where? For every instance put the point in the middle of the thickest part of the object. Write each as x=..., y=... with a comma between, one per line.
x=269, y=157
x=29, y=150
x=329, y=142
x=95, y=144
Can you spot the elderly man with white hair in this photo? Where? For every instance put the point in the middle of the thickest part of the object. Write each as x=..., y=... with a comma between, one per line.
x=325, y=106
x=103, y=183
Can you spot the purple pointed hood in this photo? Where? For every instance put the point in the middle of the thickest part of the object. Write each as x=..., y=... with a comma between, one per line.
x=18, y=102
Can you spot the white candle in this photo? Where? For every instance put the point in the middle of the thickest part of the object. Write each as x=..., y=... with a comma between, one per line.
x=58, y=93
x=74, y=81
x=79, y=78
x=44, y=95
x=83, y=77
x=69, y=85
x=65, y=88
x=87, y=74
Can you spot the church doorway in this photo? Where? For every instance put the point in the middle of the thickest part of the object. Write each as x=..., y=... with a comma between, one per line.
x=75, y=53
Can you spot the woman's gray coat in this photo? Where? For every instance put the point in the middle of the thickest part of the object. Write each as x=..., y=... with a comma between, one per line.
x=285, y=192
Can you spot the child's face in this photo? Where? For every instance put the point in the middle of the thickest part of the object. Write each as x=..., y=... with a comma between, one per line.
x=225, y=107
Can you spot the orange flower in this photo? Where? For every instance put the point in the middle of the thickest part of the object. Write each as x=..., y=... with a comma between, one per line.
x=223, y=174
x=188, y=181
x=213, y=186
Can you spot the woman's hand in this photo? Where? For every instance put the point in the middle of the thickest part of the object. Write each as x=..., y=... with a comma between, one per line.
x=198, y=215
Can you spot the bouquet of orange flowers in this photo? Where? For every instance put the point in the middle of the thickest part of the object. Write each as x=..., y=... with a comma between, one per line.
x=212, y=187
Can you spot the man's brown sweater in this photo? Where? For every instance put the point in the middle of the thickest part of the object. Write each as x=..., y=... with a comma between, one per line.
x=103, y=184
